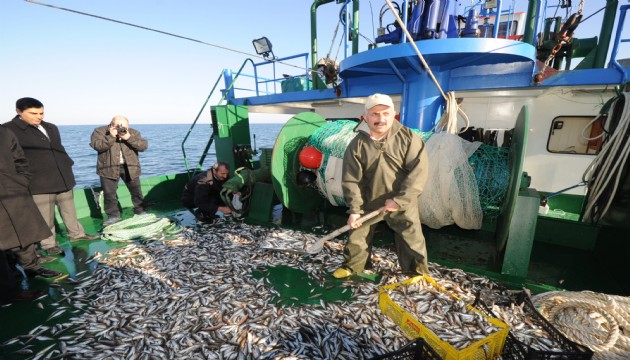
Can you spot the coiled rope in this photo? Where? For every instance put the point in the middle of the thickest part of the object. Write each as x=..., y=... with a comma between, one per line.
x=604, y=174
x=147, y=226
x=598, y=321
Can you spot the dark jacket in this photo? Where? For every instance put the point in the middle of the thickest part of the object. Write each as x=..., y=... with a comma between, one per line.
x=203, y=192
x=109, y=148
x=48, y=160
x=21, y=223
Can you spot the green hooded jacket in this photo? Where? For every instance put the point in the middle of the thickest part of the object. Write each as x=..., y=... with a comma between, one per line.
x=374, y=171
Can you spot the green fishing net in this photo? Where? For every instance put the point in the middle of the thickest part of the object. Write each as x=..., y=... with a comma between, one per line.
x=489, y=163
x=492, y=171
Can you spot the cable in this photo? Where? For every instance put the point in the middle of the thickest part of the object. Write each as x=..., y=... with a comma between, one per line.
x=604, y=173
x=332, y=42
x=372, y=13
x=170, y=34
x=595, y=13
x=452, y=109
x=413, y=44
x=448, y=121
x=588, y=126
x=367, y=39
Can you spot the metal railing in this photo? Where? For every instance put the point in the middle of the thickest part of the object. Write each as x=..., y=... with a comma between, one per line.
x=211, y=139
x=618, y=40
x=274, y=80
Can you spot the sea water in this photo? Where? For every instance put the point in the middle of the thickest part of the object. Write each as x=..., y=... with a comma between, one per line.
x=164, y=154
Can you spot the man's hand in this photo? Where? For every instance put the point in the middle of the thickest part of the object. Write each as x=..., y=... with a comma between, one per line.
x=113, y=131
x=225, y=209
x=126, y=136
x=390, y=206
x=352, y=221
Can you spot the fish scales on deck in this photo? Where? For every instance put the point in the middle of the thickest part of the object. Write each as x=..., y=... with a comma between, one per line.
x=195, y=297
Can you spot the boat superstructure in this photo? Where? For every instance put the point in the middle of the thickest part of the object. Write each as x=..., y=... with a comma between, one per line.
x=511, y=90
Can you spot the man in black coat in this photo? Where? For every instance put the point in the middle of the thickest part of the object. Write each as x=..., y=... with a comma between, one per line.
x=51, y=166
x=21, y=223
x=203, y=192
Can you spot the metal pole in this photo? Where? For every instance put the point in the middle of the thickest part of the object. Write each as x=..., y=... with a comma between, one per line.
x=620, y=26
x=314, y=7
x=530, y=22
x=355, y=26
x=403, y=37
x=346, y=29
x=497, y=21
x=605, y=34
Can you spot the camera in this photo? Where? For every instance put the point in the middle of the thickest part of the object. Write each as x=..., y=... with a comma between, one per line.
x=121, y=130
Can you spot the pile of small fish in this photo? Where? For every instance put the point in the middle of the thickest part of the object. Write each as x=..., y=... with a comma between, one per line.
x=196, y=297
x=526, y=329
x=288, y=240
x=447, y=317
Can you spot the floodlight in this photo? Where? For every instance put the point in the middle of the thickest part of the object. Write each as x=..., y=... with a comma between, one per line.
x=263, y=47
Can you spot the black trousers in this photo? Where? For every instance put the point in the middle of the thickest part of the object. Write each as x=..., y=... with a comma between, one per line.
x=111, y=198
x=8, y=280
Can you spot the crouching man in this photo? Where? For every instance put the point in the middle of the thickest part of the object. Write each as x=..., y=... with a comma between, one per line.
x=202, y=194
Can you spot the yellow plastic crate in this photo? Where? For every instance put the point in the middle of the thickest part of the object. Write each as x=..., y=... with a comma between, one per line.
x=486, y=348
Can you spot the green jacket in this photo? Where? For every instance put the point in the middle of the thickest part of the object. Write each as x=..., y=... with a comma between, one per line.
x=373, y=172
x=109, y=150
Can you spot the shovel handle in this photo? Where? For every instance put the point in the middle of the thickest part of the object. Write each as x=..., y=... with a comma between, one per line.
x=345, y=228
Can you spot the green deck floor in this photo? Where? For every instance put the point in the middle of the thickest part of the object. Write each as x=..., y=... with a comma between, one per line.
x=552, y=266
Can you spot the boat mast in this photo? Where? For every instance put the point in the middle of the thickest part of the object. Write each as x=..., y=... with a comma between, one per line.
x=354, y=31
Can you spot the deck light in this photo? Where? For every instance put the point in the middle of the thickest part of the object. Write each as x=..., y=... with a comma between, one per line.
x=263, y=47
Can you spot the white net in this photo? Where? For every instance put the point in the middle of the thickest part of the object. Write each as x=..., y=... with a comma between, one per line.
x=329, y=180
x=451, y=194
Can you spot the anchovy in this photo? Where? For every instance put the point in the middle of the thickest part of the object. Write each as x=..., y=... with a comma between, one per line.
x=195, y=295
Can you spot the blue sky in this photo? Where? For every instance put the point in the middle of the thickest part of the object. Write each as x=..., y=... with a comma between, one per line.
x=87, y=70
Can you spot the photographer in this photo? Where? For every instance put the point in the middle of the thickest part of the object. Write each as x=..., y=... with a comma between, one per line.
x=118, y=146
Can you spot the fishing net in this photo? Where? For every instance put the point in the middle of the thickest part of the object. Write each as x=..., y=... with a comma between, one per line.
x=141, y=227
x=467, y=181
x=290, y=161
x=492, y=171
x=450, y=195
x=332, y=140
x=424, y=135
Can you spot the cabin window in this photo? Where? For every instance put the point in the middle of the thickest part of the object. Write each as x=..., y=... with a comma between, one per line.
x=575, y=135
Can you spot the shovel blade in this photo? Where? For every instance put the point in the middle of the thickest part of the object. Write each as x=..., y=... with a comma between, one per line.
x=315, y=247
x=288, y=241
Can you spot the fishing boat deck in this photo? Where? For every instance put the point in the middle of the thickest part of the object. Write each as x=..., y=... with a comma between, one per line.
x=473, y=251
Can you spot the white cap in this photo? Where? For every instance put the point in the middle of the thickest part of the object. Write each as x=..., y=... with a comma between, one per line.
x=378, y=99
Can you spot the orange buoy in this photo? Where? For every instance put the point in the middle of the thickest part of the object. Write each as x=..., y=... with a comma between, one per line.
x=310, y=157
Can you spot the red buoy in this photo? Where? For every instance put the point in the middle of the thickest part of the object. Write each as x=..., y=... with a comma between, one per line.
x=310, y=157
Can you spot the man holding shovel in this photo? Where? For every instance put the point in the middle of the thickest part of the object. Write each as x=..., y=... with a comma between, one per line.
x=386, y=166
